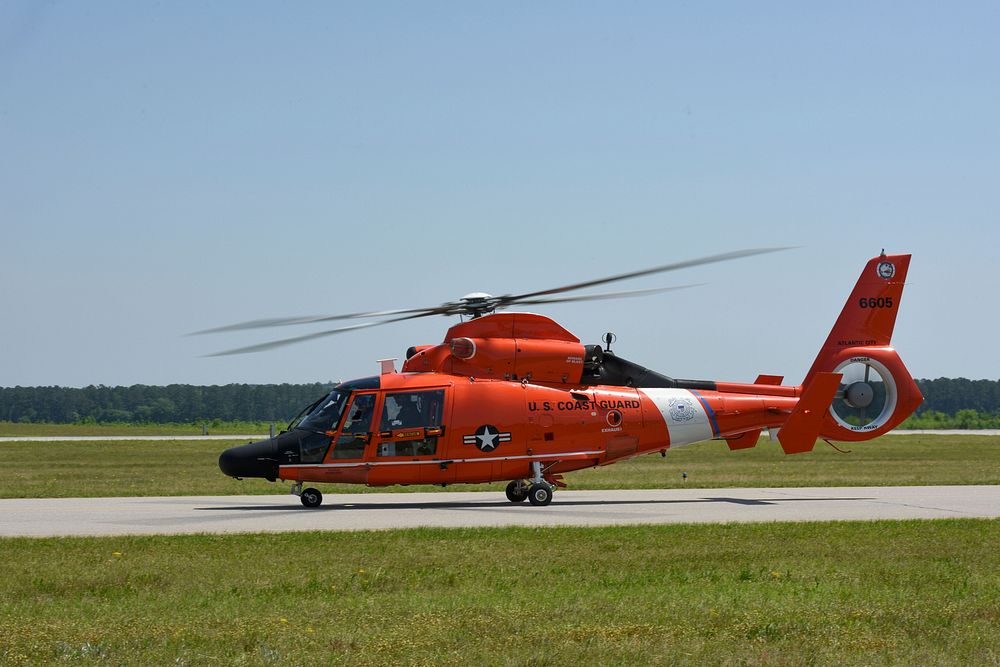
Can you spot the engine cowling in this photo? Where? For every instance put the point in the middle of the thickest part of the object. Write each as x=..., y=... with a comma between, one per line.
x=876, y=394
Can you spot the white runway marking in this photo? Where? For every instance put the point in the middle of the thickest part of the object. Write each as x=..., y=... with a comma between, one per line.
x=241, y=514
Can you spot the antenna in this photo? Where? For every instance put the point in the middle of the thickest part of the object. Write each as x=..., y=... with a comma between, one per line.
x=608, y=339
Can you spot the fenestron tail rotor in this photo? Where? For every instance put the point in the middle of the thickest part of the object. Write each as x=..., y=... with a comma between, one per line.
x=862, y=395
x=473, y=305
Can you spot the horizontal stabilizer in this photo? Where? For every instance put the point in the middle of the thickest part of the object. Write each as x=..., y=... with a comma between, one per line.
x=749, y=439
x=744, y=440
x=799, y=433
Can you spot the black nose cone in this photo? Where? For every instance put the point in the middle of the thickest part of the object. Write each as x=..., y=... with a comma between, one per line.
x=257, y=459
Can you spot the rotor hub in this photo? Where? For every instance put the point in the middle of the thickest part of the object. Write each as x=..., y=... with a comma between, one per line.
x=476, y=304
x=859, y=394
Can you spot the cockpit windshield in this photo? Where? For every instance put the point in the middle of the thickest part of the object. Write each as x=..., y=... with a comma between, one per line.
x=325, y=414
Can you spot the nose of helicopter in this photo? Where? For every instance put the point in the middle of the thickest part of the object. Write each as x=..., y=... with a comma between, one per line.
x=256, y=459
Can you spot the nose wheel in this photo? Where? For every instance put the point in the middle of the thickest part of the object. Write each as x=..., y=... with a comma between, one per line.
x=311, y=497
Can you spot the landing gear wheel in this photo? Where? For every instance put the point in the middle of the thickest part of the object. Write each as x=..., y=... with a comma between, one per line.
x=540, y=494
x=311, y=497
x=517, y=492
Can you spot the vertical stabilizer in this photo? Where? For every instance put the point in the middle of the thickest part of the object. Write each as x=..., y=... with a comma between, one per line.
x=876, y=392
x=869, y=315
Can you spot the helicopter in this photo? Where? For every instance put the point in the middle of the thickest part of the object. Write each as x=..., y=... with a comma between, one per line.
x=514, y=396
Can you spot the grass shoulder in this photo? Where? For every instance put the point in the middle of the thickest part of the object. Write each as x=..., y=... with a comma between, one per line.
x=899, y=592
x=172, y=468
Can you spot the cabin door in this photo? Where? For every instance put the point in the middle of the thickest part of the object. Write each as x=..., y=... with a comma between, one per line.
x=409, y=439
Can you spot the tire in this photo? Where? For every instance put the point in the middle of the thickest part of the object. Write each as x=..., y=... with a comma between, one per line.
x=516, y=493
x=540, y=495
x=311, y=497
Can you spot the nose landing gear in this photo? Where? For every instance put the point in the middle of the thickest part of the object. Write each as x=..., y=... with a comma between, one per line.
x=309, y=497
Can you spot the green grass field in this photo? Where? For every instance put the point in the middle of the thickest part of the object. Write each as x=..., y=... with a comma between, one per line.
x=903, y=593
x=81, y=469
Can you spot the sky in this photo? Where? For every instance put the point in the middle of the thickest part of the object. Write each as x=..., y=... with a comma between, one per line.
x=171, y=167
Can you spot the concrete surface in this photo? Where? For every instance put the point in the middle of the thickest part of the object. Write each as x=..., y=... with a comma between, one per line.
x=235, y=514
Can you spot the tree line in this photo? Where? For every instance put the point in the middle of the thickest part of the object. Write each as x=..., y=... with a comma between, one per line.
x=957, y=403
x=949, y=395
x=145, y=404
x=978, y=401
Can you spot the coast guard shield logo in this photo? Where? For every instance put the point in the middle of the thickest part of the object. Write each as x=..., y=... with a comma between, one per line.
x=487, y=438
x=886, y=270
x=681, y=409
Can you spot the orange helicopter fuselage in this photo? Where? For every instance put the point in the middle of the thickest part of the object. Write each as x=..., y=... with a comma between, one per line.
x=565, y=429
x=515, y=396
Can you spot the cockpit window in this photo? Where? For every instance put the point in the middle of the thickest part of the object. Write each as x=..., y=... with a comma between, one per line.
x=325, y=415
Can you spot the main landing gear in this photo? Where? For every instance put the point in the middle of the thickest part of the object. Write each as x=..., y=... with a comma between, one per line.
x=537, y=491
x=310, y=497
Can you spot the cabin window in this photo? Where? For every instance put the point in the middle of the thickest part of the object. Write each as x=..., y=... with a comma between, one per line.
x=411, y=423
x=357, y=428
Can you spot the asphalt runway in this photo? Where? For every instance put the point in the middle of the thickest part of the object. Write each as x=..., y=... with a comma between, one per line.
x=380, y=511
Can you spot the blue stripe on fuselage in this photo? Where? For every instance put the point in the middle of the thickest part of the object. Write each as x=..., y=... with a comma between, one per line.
x=709, y=411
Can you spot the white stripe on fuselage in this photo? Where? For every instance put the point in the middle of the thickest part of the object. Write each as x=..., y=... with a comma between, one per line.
x=478, y=459
x=685, y=416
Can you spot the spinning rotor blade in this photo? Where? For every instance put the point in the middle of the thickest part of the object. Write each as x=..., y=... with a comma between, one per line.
x=607, y=295
x=646, y=272
x=309, y=319
x=480, y=305
x=261, y=347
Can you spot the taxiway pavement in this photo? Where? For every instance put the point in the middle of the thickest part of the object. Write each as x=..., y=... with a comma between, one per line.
x=340, y=512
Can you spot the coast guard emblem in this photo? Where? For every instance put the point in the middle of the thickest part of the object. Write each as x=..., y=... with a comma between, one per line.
x=681, y=409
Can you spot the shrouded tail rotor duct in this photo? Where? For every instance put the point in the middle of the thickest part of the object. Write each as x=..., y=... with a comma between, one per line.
x=866, y=395
x=876, y=393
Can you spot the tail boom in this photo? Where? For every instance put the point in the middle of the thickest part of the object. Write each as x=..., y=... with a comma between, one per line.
x=857, y=388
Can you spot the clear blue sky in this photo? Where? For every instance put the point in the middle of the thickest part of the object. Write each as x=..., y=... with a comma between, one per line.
x=167, y=167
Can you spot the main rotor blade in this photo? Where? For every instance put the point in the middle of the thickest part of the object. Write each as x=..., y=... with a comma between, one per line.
x=737, y=254
x=309, y=319
x=261, y=347
x=460, y=307
x=607, y=295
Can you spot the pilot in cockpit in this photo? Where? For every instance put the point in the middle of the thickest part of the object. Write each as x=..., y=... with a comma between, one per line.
x=361, y=414
x=404, y=412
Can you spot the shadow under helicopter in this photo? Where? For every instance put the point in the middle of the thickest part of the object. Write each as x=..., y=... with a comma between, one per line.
x=503, y=504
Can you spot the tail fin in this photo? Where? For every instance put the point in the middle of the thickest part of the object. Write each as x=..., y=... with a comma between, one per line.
x=876, y=392
x=869, y=316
